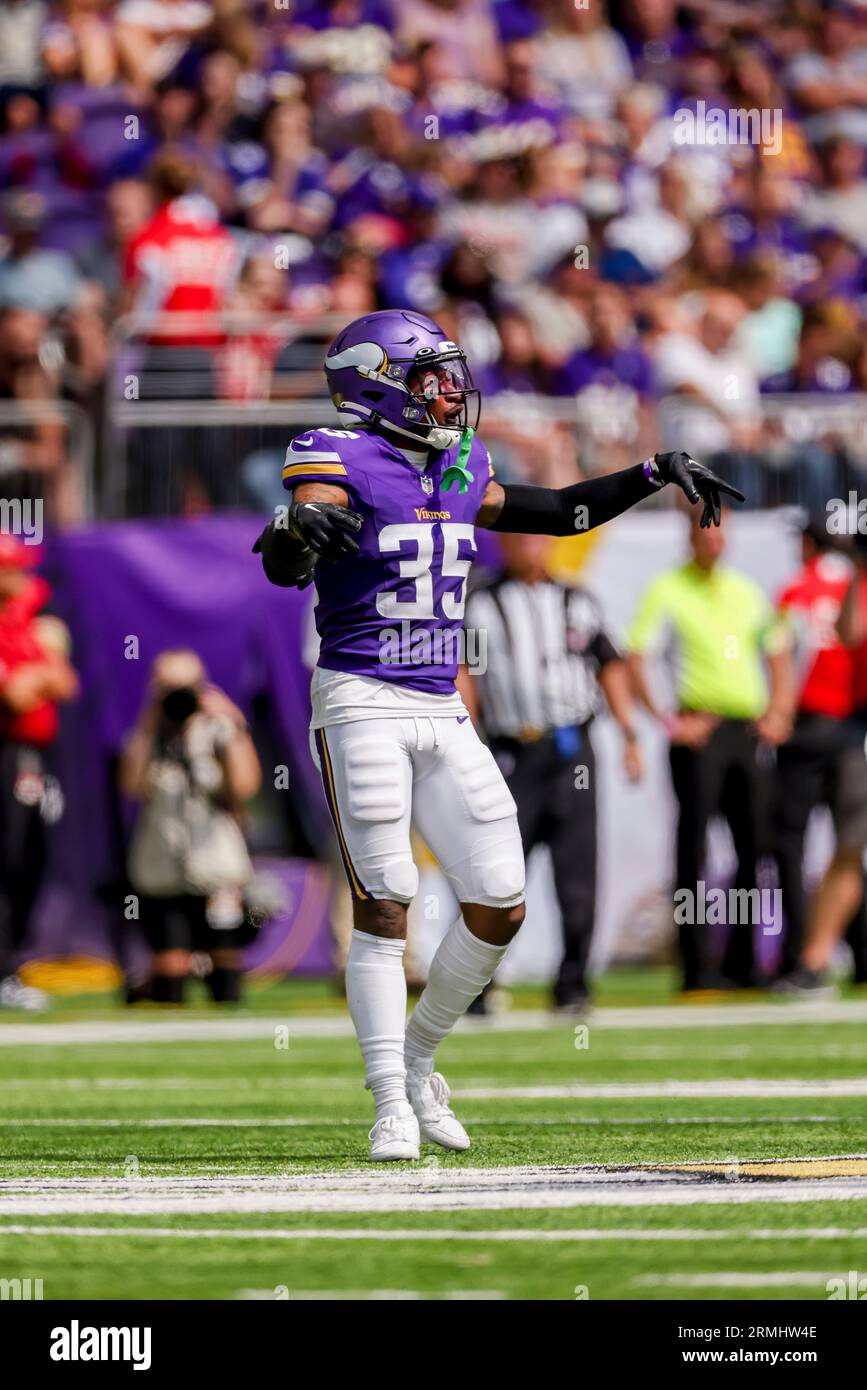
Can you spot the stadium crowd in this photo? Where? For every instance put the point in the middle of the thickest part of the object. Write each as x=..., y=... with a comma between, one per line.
x=195, y=194
x=514, y=167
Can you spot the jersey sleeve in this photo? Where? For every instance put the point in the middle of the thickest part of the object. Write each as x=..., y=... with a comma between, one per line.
x=317, y=457
x=652, y=616
x=774, y=626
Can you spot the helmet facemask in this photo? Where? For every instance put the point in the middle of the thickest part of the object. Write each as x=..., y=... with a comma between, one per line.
x=442, y=398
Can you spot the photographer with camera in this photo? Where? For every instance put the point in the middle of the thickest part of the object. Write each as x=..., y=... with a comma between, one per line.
x=191, y=763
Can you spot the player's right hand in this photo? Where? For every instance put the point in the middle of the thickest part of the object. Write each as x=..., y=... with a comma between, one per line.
x=697, y=482
x=327, y=528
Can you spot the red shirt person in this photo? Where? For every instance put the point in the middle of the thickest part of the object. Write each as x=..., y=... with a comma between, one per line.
x=35, y=676
x=178, y=270
x=812, y=602
x=182, y=262
x=824, y=762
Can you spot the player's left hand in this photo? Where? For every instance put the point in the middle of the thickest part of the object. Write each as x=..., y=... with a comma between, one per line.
x=696, y=482
x=326, y=528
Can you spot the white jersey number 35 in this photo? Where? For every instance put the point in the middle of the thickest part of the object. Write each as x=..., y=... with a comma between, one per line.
x=418, y=568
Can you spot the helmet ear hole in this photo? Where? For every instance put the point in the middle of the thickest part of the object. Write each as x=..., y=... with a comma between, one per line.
x=372, y=395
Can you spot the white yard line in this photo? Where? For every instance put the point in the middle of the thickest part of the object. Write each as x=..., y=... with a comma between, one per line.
x=672, y=1090
x=615, y=1090
x=213, y=1029
x=474, y=1121
x=170, y=1122
x=780, y=1279
x=375, y=1295
x=435, y=1234
x=425, y=1188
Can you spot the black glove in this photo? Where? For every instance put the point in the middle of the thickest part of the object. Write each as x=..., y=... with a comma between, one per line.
x=285, y=561
x=326, y=528
x=697, y=482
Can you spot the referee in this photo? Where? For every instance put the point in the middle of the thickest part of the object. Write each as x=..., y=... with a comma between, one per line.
x=547, y=656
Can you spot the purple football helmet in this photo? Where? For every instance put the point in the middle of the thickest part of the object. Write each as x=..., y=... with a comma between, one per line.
x=386, y=368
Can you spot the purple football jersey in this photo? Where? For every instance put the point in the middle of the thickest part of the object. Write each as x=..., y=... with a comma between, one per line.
x=395, y=610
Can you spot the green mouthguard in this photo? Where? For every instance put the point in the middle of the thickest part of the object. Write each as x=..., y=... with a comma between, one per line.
x=458, y=472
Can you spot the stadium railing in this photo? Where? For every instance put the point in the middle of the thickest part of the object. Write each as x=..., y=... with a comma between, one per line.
x=199, y=409
x=66, y=489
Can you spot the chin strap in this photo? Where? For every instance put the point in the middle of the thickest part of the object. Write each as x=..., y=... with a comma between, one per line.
x=458, y=472
x=421, y=441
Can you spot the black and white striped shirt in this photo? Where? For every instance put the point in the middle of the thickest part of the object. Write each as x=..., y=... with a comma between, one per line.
x=544, y=645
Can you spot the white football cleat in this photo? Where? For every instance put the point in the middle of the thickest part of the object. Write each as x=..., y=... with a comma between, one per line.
x=394, y=1137
x=14, y=994
x=428, y=1096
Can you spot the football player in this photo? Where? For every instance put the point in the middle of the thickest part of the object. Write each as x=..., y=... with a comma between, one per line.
x=386, y=508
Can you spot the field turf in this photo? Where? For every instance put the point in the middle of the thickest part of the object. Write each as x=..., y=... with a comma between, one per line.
x=213, y=1155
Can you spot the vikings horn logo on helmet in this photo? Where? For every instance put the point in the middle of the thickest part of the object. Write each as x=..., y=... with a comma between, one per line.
x=371, y=369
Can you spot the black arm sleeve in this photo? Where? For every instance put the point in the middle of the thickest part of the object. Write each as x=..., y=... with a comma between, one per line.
x=603, y=649
x=546, y=511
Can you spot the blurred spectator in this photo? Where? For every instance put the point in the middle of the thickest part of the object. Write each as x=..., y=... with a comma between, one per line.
x=808, y=764
x=178, y=272
x=129, y=206
x=154, y=35
x=838, y=900
x=287, y=190
x=828, y=79
x=191, y=764
x=820, y=361
x=840, y=201
x=660, y=234
x=35, y=677
x=459, y=156
x=181, y=262
x=654, y=39
x=770, y=329
x=582, y=57
x=463, y=29
x=613, y=356
x=78, y=42
x=33, y=460
x=713, y=410
x=526, y=98
x=612, y=382
x=516, y=369
x=31, y=278
x=766, y=218
x=247, y=361
x=21, y=26
x=711, y=257
x=724, y=627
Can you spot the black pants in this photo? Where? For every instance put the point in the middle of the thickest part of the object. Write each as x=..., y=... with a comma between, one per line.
x=22, y=845
x=806, y=768
x=553, y=812
x=180, y=923
x=805, y=780
x=722, y=778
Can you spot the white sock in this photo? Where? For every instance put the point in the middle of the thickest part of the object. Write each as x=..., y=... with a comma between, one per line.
x=376, y=994
x=459, y=971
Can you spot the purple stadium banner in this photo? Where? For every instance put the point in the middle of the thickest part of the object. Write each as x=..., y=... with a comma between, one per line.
x=128, y=590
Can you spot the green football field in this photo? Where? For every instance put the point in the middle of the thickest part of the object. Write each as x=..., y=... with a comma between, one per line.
x=667, y=1151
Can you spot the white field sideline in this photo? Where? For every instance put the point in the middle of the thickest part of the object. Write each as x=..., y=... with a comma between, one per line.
x=210, y=1029
x=424, y=1189
x=585, y=1235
